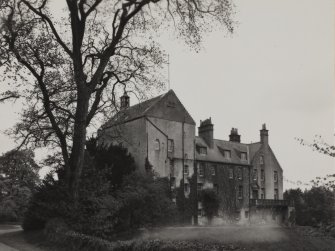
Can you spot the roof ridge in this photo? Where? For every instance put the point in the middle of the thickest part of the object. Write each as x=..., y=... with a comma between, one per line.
x=156, y=101
x=254, y=143
x=231, y=141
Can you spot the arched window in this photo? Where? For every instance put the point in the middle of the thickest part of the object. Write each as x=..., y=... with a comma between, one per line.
x=157, y=145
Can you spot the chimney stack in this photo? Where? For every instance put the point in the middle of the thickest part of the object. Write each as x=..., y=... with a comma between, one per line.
x=205, y=131
x=124, y=101
x=264, y=135
x=234, y=136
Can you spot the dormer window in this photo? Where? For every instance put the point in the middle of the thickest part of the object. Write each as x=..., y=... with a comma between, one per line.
x=244, y=156
x=203, y=150
x=227, y=154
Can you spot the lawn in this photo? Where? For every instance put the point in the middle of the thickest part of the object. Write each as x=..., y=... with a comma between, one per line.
x=256, y=238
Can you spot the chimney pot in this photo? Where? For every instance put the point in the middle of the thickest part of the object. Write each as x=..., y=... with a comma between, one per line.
x=234, y=136
x=206, y=131
x=264, y=134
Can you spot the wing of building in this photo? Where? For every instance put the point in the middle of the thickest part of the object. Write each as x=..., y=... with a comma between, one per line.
x=160, y=134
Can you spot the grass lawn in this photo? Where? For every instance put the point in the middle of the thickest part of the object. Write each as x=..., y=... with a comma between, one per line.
x=257, y=238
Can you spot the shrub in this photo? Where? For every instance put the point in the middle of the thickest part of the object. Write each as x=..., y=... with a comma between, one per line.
x=210, y=203
x=75, y=241
x=18, y=180
x=104, y=205
x=49, y=201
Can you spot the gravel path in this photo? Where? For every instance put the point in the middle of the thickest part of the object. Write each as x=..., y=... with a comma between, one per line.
x=12, y=239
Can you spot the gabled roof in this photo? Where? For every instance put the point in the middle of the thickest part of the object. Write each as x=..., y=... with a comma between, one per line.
x=216, y=154
x=253, y=149
x=154, y=107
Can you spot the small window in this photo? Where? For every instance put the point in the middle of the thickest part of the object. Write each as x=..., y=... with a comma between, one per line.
x=261, y=160
x=244, y=156
x=203, y=150
x=201, y=169
x=240, y=173
x=255, y=174
x=199, y=212
x=186, y=170
x=227, y=154
x=240, y=192
x=186, y=187
x=231, y=173
x=213, y=170
x=170, y=145
x=276, y=194
x=262, y=193
x=157, y=145
x=275, y=176
x=171, y=104
x=262, y=175
x=199, y=187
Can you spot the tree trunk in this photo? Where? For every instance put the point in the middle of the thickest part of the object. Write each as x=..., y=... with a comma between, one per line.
x=79, y=140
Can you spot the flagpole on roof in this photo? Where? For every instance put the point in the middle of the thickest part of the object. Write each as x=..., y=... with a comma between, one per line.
x=168, y=71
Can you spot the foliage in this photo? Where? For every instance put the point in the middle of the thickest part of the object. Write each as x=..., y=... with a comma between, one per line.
x=328, y=181
x=187, y=204
x=49, y=201
x=18, y=180
x=319, y=145
x=69, y=70
x=314, y=206
x=104, y=205
x=210, y=203
x=145, y=202
x=71, y=240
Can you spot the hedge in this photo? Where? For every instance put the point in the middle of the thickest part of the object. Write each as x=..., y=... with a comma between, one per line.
x=58, y=234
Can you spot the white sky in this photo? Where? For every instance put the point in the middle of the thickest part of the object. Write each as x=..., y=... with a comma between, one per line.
x=277, y=68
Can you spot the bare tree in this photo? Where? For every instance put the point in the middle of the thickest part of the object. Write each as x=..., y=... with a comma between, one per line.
x=68, y=71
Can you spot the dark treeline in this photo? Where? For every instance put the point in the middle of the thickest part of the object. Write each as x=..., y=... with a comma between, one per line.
x=313, y=207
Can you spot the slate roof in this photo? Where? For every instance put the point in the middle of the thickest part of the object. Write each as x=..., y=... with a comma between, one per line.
x=216, y=154
x=253, y=149
x=133, y=112
x=151, y=107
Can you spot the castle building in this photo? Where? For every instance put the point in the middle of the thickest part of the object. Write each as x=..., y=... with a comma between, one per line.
x=160, y=134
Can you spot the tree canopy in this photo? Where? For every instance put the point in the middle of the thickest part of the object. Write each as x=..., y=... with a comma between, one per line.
x=70, y=70
x=18, y=180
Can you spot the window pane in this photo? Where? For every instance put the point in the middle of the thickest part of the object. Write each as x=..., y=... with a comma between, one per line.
x=275, y=176
x=170, y=145
x=231, y=173
x=240, y=192
x=186, y=170
x=213, y=170
x=255, y=174
x=157, y=145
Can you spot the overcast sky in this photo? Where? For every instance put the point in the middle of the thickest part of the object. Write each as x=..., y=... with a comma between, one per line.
x=277, y=68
